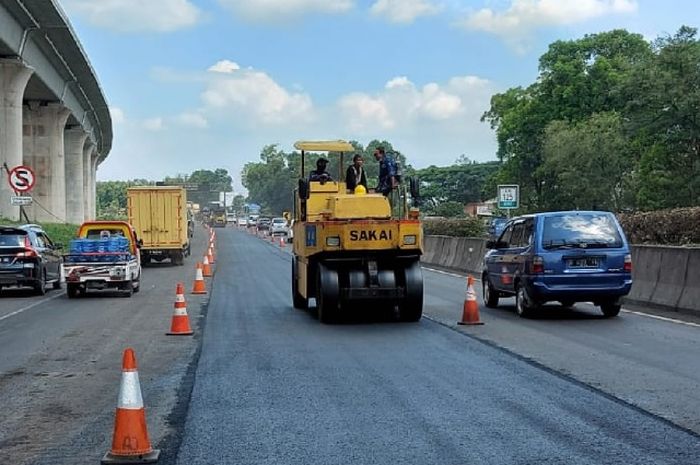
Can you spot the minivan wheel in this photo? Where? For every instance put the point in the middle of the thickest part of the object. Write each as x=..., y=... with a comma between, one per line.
x=522, y=303
x=489, y=293
x=610, y=309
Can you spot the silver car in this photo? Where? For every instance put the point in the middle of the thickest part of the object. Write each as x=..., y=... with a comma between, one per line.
x=278, y=227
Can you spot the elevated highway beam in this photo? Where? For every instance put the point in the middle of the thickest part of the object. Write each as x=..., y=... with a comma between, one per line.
x=48, y=88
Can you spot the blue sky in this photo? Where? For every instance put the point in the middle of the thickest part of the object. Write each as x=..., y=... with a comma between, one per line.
x=207, y=83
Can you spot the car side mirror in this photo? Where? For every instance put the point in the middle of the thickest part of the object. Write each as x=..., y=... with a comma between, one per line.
x=58, y=246
x=496, y=245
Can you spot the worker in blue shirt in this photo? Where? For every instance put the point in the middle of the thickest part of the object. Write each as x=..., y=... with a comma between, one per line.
x=387, y=171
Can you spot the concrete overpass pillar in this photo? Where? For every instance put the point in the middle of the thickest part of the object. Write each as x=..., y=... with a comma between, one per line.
x=74, y=140
x=93, y=183
x=89, y=160
x=14, y=76
x=44, y=151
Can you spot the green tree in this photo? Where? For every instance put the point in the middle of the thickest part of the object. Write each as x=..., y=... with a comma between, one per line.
x=460, y=183
x=577, y=79
x=664, y=114
x=586, y=164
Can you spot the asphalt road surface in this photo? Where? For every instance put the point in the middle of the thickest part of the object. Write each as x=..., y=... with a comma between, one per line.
x=60, y=365
x=273, y=386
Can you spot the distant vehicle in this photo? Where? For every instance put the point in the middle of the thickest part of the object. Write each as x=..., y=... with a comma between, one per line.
x=263, y=223
x=242, y=221
x=278, y=227
x=104, y=256
x=252, y=220
x=28, y=257
x=160, y=218
x=569, y=257
x=496, y=226
x=218, y=217
x=230, y=217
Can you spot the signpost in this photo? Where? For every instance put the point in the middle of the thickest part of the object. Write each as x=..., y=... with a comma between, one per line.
x=21, y=179
x=20, y=200
x=508, y=197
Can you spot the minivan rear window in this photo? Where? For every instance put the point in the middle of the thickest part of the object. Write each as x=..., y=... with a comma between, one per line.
x=580, y=230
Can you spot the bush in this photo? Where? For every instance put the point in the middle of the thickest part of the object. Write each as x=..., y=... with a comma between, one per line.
x=678, y=226
x=60, y=233
x=464, y=227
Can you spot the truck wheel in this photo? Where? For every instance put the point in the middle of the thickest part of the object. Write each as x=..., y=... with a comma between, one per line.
x=178, y=258
x=298, y=300
x=128, y=288
x=137, y=284
x=72, y=290
x=412, y=308
x=327, y=294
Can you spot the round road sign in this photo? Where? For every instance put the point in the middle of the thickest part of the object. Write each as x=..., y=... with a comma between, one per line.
x=22, y=178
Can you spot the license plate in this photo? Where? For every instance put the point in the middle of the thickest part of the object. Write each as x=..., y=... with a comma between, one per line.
x=584, y=262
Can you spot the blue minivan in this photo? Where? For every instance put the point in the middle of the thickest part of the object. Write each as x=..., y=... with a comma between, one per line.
x=566, y=257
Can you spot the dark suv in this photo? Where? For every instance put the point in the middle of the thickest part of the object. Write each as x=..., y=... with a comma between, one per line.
x=569, y=257
x=28, y=257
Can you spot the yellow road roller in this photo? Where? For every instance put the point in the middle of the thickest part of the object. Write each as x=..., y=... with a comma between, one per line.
x=354, y=249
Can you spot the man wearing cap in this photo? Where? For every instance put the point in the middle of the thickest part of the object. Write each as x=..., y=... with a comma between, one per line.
x=320, y=174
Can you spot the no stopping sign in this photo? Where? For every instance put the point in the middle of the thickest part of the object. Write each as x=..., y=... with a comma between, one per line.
x=21, y=178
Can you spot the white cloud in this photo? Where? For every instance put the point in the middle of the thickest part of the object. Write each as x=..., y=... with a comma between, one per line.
x=255, y=97
x=516, y=23
x=278, y=10
x=402, y=104
x=117, y=115
x=404, y=11
x=224, y=66
x=136, y=15
x=363, y=111
x=193, y=119
x=154, y=124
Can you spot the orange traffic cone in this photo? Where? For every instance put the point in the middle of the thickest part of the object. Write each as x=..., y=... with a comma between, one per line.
x=213, y=252
x=180, y=323
x=210, y=255
x=470, y=314
x=130, y=443
x=199, y=287
x=282, y=244
x=206, y=268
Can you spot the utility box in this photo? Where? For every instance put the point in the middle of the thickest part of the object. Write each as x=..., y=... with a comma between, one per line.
x=159, y=216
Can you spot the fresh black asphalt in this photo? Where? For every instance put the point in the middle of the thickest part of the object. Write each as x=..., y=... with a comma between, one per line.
x=273, y=386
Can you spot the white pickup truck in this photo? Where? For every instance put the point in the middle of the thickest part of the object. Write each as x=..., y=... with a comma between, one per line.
x=105, y=256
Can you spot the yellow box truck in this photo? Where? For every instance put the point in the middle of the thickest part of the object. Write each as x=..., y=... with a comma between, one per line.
x=159, y=216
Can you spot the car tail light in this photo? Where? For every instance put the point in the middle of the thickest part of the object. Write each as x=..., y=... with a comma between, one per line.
x=28, y=249
x=628, y=263
x=537, y=264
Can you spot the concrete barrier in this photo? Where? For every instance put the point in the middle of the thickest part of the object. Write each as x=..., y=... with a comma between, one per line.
x=690, y=297
x=667, y=277
x=646, y=266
